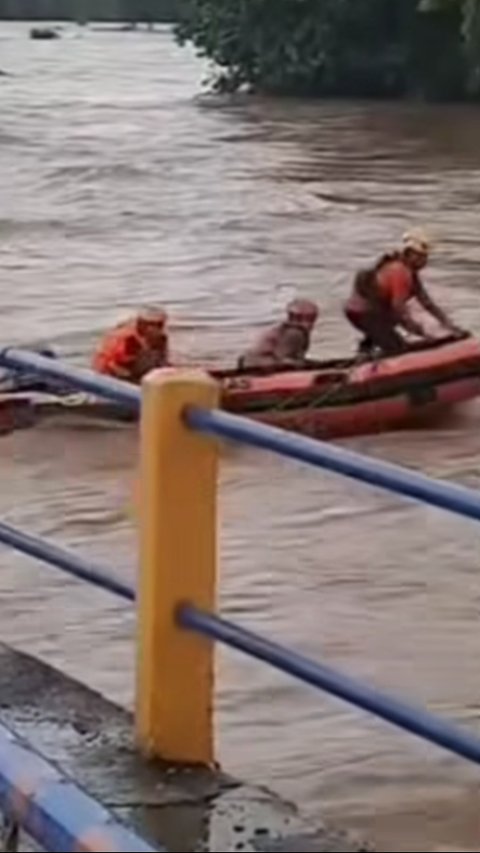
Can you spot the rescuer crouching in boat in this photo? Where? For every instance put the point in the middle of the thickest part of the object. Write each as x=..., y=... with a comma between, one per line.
x=134, y=348
x=379, y=302
x=286, y=344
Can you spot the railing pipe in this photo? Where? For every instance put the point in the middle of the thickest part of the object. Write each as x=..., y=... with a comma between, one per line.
x=84, y=380
x=178, y=557
x=53, y=810
x=63, y=559
x=375, y=472
x=414, y=720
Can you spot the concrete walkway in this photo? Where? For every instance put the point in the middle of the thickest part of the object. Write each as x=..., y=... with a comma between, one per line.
x=91, y=740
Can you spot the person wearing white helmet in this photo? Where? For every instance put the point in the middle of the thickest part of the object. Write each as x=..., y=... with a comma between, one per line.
x=380, y=300
x=285, y=344
x=135, y=347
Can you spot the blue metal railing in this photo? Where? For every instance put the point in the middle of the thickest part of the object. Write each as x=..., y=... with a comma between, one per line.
x=386, y=707
x=52, y=809
x=63, y=559
x=83, y=380
x=454, y=498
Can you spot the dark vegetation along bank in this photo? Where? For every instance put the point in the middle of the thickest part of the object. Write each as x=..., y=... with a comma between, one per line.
x=89, y=10
x=378, y=48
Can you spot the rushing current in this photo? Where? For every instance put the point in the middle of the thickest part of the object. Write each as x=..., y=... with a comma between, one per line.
x=123, y=182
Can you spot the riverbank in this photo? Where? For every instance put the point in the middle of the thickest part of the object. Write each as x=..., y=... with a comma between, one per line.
x=90, y=740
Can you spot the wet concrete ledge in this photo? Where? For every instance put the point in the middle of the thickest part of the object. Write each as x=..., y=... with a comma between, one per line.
x=91, y=740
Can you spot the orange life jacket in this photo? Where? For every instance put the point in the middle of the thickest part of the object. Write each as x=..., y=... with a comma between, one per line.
x=122, y=352
x=366, y=284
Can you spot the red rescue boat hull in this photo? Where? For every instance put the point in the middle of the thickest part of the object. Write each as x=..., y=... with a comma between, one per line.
x=334, y=399
x=391, y=393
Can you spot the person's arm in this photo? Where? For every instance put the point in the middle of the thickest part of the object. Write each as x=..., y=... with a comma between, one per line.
x=120, y=372
x=406, y=319
x=291, y=347
x=151, y=359
x=126, y=366
x=399, y=284
x=165, y=355
x=429, y=304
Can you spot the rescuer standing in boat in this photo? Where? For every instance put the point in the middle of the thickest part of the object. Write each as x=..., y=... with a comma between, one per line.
x=134, y=348
x=287, y=343
x=379, y=302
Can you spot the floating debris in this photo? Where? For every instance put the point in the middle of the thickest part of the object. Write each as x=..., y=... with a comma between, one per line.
x=44, y=33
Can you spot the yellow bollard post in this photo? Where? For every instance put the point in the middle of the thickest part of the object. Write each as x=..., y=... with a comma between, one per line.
x=178, y=544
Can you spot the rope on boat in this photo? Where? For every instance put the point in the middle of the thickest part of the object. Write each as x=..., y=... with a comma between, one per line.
x=326, y=396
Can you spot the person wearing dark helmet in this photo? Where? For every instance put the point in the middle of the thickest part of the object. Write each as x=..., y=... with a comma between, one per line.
x=379, y=305
x=286, y=343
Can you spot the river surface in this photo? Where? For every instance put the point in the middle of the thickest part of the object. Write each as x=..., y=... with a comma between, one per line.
x=120, y=184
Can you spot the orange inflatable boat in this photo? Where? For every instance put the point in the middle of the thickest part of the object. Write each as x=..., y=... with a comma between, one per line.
x=338, y=399
x=331, y=399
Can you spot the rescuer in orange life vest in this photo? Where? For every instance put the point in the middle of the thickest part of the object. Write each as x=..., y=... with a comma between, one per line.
x=134, y=348
x=286, y=343
x=379, y=302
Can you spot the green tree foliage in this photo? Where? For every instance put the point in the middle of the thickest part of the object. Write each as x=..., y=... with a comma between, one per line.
x=147, y=11
x=339, y=47
x=467, y=13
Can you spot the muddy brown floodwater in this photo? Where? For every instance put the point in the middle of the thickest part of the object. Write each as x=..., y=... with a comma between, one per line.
x=119, y=184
